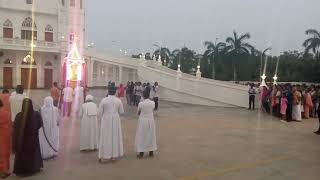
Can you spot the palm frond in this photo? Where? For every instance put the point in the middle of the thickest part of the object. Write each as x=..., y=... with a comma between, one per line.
x=230, y=40
x=313, y=32
x=244, y=36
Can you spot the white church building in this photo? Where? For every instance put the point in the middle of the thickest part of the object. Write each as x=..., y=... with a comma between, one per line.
x=55, y=24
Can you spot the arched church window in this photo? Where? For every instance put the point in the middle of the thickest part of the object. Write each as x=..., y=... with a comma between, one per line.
x=26, y=31
x=8, y=61
x=7, y=29
x=27, y=23
x=48, y=36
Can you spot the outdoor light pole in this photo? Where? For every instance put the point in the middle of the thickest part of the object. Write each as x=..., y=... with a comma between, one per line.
x=156, y=45
x=261, y=60
x=198, y=73
x=276, y=72
x=179, y=63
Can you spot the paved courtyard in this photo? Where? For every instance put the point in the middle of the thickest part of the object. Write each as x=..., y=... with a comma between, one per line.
x=196, y=142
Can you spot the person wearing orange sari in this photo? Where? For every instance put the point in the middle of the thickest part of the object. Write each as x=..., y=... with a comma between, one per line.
x=5, y=141
x=307, y=104
x=4, y=97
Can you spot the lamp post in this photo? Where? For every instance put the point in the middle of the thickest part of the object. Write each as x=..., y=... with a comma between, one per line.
x=275, y=80
x=179, y=70
x=179, y=63
x=261, y=60
x=263, y=82
x=159, y=61
x=198, y=73
x=276, y=72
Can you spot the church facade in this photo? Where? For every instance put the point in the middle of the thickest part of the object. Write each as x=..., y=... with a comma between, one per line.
x=35, y=38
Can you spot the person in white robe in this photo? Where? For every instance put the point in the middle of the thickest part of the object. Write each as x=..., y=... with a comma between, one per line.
x=16, y=100
x=49, y=133
x=89, y=125
x=78, y=99
x=296, y=107
x=145, y=140
x=111, y=142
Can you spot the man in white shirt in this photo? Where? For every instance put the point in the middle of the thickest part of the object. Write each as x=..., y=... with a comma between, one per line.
x=67, y=100
x=16, y=100
x=156, y=91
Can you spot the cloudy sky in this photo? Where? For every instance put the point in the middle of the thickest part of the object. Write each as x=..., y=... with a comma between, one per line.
x=135, y=25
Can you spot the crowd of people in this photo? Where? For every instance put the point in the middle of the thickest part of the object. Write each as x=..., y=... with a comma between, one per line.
x=134, y=92
x=33, y=136
x=288, y=102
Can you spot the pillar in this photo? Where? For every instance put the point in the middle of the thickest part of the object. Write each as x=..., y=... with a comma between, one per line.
x=105, y=75
x=90, y=72
x=18, y=74
x=40, y=73
x=120, y=74
x=114, y=73
x=1, y=75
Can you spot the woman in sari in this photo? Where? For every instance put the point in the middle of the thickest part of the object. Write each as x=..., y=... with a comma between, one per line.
x=27, y=123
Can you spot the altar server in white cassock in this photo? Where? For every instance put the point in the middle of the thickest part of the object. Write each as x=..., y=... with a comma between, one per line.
x=145, y=140
x=89, y=125
x=49, y=142
x=78, y=99
x=111, y=143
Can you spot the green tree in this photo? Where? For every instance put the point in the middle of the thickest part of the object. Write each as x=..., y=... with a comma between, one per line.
x=214, y=51
x=185, y=57
x=312, y=43
x=238, y=48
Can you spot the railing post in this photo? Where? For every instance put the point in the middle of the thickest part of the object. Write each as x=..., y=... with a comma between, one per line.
x=198, y=73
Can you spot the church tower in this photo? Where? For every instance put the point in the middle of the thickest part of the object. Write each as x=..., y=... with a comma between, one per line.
x=72, y=23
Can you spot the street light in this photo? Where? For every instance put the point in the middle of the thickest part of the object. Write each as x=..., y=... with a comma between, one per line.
x=263, y=82
x=267, y=49
x=275, y=80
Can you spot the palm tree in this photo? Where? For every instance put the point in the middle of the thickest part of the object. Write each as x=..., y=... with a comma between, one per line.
x=214, y=50
x=237, y=47
x=164, y=52
x=312, y=43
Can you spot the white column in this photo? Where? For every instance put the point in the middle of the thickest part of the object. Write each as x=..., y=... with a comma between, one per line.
x=105, y=75
x=39, y=68
x=114, y=73
x=1, y=75
x=120, y=74
x=90, y=73
x=39, y=76
x=18, y=73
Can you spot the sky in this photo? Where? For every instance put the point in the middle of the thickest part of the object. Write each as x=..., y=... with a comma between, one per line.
x=136, y=25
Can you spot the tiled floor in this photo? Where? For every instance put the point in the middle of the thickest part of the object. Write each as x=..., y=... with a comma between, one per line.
x=196, y=142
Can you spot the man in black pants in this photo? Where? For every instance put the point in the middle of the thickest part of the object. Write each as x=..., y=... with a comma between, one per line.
x=156, y=90
x=252, y=96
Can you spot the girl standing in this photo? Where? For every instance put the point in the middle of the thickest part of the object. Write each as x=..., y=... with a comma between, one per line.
x=284, y=105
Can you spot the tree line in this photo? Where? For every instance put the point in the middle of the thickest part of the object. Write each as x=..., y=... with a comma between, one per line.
x=236, y=59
